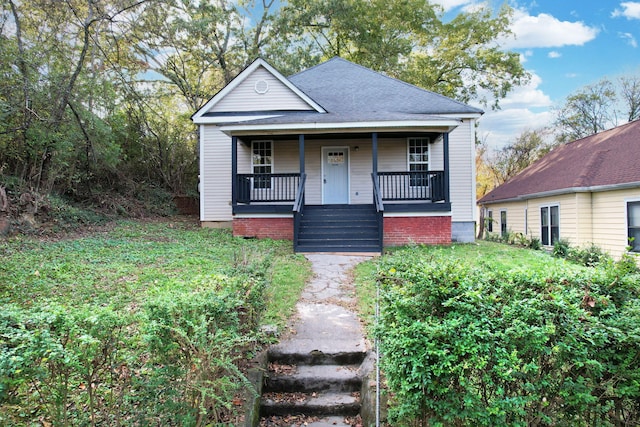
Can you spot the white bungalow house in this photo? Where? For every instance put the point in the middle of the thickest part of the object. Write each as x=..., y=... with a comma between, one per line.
x=337, y=158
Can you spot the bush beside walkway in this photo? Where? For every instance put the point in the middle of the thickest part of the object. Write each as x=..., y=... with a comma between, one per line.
x=479, y=336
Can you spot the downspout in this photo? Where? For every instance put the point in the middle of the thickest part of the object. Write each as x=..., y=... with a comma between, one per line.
x=445, y=148
x=234, y=171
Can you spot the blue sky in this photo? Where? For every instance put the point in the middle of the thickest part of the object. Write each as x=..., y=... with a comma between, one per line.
x=565, y=45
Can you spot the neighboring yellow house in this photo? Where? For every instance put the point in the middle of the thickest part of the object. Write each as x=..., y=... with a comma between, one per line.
x=586, y=191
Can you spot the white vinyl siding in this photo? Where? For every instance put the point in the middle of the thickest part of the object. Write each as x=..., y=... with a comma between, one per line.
x=610, y=219
x=584, y=218
x=244, y=97
x=215, y=175
x=462, y=181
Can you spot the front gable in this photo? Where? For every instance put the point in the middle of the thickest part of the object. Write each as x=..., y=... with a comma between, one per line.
x=258, y=88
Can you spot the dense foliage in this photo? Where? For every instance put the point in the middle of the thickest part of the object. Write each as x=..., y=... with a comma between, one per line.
x=493, y=342
x=142, y=325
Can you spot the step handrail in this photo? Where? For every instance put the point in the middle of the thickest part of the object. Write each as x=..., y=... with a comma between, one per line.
x=298, y=208
x=298, y=203
x=377, y=196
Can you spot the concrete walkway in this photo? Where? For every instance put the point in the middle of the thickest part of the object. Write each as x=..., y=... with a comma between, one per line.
x=326, y=322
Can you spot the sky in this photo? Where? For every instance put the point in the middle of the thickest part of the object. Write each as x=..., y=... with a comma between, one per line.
x=565, y=45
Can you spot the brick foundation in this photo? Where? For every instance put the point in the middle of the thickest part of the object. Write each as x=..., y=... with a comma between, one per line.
x=273, y=228
x=430, y=230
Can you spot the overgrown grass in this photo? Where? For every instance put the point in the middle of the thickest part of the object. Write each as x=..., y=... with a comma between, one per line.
x=119, y=267
x=142, y=323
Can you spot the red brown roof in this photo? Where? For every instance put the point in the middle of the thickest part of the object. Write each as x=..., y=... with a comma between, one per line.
x=607, y=158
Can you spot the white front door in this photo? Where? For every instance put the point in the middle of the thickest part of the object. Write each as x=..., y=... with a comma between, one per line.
x=335, y=175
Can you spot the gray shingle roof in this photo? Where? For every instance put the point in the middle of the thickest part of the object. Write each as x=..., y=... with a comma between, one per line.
x=608, y=158
x=343, y=87
x=352, y=93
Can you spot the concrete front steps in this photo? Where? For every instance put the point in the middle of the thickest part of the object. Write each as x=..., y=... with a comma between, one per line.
x=321, y=388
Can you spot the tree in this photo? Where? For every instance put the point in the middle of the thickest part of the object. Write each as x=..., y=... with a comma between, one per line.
x=406, y=39
x=58, y=53
x=588, y=111
x=494, y=168
x=630, y=94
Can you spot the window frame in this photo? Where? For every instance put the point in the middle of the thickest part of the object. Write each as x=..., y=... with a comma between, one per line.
x=415, y=182
x=550, y=227
x=504, y=228
x=261, y=183
x=490, y=221
x=635, y=247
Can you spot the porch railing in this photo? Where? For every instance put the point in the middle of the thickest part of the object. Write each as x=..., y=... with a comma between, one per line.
x=396, y=186
x=267, y=187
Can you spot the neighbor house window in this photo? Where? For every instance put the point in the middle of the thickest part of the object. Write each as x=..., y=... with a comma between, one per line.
x=490, y=221
x=419, y=161
x=550, y=225
x=261, y=163
x=503, y=222
x=633, y=224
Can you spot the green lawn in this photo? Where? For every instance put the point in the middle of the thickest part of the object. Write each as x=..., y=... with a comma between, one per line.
x=121, y=266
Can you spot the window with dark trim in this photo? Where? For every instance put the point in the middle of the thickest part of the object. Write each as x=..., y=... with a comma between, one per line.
x=490, y=221
x=418, y=161
x=503, y=222
x=261, y=163
x=633, y=224
x=549, y=225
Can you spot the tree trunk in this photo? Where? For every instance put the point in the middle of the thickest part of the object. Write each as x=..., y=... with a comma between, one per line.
x=5, y=225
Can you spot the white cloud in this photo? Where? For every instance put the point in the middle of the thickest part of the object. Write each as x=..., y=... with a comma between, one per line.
x=500, y=128
x=529, y=96
x=630, y=10
x=553, y=54
x=545, y=30
x=517, y=114
x=631, y=40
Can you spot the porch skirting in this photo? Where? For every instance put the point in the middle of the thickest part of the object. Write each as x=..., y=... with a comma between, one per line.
x=429, y=230
x=261, y=228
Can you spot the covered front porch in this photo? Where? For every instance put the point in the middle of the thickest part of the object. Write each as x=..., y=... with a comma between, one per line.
x=346, y=192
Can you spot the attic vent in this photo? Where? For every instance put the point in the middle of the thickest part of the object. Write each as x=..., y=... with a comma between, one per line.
x=261, y=87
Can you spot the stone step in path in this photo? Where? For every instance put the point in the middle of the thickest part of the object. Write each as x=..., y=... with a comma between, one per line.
x=316, y=373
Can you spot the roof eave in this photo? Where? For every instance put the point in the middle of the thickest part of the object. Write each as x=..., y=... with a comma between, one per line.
x=563, y=191
x=361, y=126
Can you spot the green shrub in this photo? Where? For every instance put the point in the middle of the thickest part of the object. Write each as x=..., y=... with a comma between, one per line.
x=478, y=345
x=534, y=243
x=561, y=248
x=195, y=340
x=63, y=359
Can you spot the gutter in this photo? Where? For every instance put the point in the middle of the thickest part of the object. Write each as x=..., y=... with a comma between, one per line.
x=563, y=191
